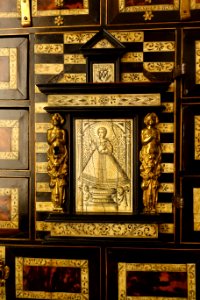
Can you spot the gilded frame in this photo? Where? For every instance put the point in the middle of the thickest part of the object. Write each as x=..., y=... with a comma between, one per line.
x=134, y=273
x=64, y=14
x=26, y=265
x=140, y=11
x=153, y=271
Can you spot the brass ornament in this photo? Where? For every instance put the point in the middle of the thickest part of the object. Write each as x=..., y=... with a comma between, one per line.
x=148, y=15
x=4, y=273
x=185, y=9
x=25, y=13
x=59, y=21
x=150, y=168
x=57, y=161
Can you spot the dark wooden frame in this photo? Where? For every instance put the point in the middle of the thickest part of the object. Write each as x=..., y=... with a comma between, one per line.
x=71, y=113
x=190, y=88
x=65, y=256
x=92, y=18
x=21, y=90
x=115, y=16
x=142, y=257
x=18, y=225
x=21, y=159
x=187, y=222
x=190, y=165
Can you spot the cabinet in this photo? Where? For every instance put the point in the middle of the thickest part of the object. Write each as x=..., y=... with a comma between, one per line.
x=99, y=64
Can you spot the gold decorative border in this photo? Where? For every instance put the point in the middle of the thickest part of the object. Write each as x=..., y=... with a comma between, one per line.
x=165, y=208
x=167, y=147
x=169, y=107
x=14, y=125
x=105, y=100
x=20, y=262
x=63, y=12
x=158, y=66
x=14, y=222
x=48, y=207
x=16, y=14
x=73, y=78
x=132, y=57
x=196, y=208
x=122, y=36
x=197, y=62
x=78, y=37
x=134, y=77
x=42, y=187
x=166, y=127
x=3, y=258
x=166, y=228
x=136, y=8
x=159, y=46
x=128, y=36
x=74, y=59
x=168, y=167
x=194, y=4
x=152, y=267
x=166, y=187
x=12, y=54
x=42, y=69
x=48, y=49
x=99, y=229
x=103, y=43
x=197, y=137
x=41, y=167
x=114, y=230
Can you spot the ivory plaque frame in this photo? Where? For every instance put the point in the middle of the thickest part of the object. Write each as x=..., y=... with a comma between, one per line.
x=102, y=146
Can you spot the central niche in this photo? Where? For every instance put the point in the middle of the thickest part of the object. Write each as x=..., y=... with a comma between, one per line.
x=104, y=171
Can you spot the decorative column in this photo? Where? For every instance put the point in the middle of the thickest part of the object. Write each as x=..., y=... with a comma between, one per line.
x=57, y=161
x=150, y=158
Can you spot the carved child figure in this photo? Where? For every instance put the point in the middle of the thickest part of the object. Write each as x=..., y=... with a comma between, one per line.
x=150, y=157
x=57, y=158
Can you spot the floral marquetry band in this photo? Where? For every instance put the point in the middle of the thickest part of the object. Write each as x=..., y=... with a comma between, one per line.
x=116, y=230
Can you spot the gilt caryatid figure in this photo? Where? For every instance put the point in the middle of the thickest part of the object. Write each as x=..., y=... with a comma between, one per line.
x=57, y=161
x=150, y=168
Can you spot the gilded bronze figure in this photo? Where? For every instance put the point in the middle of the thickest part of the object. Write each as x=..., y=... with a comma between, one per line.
x=57, y=161
x=150, y=157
